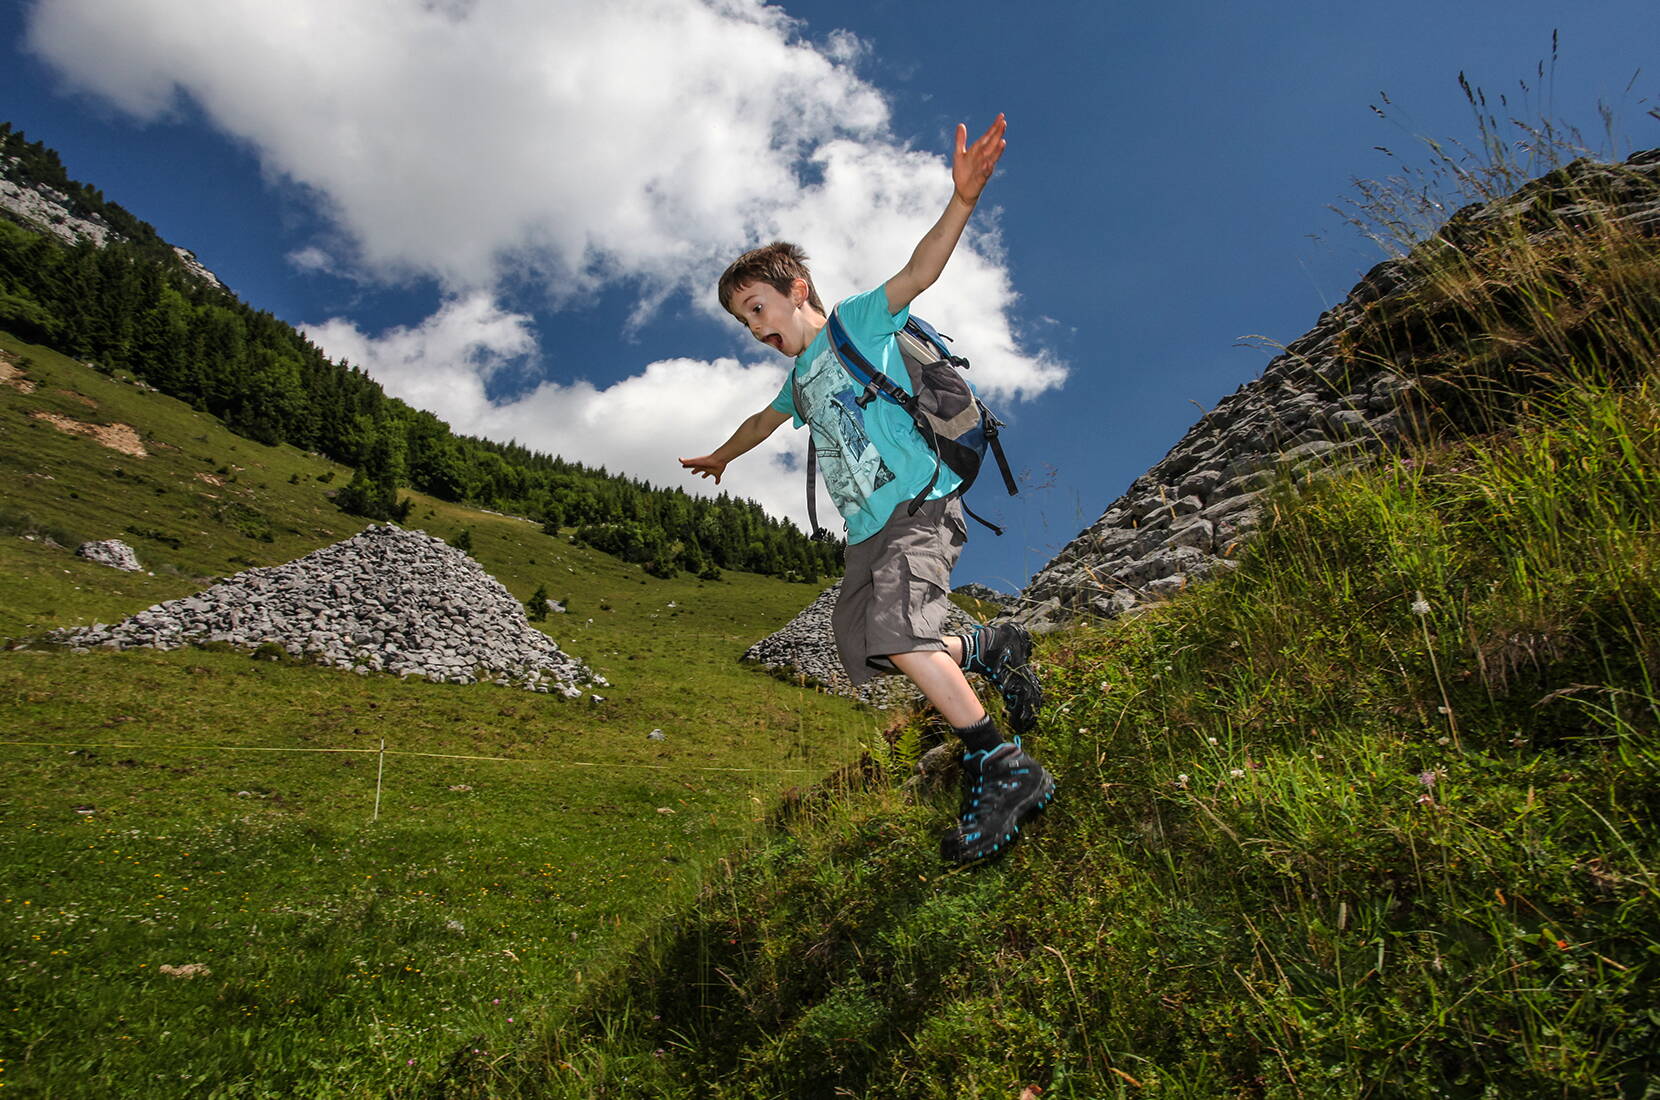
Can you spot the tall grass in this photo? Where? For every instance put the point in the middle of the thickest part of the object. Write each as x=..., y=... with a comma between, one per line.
x=1519, y=265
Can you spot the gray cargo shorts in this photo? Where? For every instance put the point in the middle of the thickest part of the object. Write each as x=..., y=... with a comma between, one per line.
x=894, y=593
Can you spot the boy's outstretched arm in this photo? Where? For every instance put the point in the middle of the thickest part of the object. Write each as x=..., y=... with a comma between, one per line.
x=750, y=433
x=971, y=168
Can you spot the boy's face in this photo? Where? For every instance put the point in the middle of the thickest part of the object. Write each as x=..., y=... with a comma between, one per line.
x=774, y=318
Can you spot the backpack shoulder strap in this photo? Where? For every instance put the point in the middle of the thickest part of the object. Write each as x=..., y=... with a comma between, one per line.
x=876, y=383
x=798, y=395
x=817, y=534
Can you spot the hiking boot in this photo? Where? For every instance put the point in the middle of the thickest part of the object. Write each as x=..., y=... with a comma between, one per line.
x=1001, y=789
x=1000, y=652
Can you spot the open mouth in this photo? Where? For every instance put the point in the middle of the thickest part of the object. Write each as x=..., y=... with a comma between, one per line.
x=774, y=341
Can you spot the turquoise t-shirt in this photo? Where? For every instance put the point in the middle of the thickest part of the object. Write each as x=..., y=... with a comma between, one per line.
x=873, y=459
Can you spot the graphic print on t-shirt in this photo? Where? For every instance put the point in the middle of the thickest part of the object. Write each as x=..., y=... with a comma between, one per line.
x=853, y=469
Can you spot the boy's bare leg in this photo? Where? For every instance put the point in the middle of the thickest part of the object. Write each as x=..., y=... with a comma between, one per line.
x=938, y=675
x=1002, y=786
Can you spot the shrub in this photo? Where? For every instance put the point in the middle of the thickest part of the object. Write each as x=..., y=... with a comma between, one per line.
x=372, y=500
x=536, y=608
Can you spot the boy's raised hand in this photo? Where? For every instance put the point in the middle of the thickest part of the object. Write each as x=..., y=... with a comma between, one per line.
x=972, y=166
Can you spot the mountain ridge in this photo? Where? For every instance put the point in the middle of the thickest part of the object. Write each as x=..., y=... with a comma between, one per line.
x=1317, y=405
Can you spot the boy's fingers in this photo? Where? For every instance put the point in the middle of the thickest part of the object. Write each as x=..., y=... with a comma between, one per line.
x=988, y=148
x=998, y=125
x=700, y=468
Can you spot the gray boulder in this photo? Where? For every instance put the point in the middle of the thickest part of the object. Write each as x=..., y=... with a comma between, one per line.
x=111, y=552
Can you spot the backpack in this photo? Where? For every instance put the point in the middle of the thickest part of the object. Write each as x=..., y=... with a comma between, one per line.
x=948, y=414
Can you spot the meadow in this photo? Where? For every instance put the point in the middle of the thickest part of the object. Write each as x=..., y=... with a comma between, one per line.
x=216, y=884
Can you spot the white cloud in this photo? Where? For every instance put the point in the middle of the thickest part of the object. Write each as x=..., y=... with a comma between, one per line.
x=570, y=143
x=312, y=258
x=443, y=365
x=587, y=138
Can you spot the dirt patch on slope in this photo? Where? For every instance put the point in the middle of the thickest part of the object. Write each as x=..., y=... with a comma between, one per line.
x=12, y=375
x=117, y=437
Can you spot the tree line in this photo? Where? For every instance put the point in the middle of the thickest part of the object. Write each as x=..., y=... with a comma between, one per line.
x=133, y=305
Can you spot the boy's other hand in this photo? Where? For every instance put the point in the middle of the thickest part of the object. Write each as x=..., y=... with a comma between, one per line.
x=973, y=164
x=705, y=466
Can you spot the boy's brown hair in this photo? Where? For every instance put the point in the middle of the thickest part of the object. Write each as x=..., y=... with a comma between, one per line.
x=778, y=265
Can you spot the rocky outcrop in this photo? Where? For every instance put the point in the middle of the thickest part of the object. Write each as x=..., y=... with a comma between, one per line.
x=986, y=594
x=806, y=648
x=49, y=211
x=111, y=552
x=385, y=600
x=1317, y=403
x=52, y=211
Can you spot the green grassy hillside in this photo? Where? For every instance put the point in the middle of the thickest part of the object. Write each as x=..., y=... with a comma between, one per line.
x=1373, y=814
x=166, y=811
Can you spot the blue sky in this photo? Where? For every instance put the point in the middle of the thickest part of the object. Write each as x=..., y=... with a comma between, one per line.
x=513, y=211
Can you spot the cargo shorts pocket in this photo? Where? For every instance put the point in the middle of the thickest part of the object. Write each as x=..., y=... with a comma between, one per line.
x=927, y=592
x=956, y=529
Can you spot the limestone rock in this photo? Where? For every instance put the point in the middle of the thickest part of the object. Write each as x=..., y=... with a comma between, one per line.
x=111, y=552
x=54, y=212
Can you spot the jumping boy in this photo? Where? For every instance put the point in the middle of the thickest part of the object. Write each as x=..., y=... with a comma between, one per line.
x=891, y=612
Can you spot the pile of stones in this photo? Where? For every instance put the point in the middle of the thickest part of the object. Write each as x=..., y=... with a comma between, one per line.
x=806, y=649
x=385, y=600
x=1314, y=408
